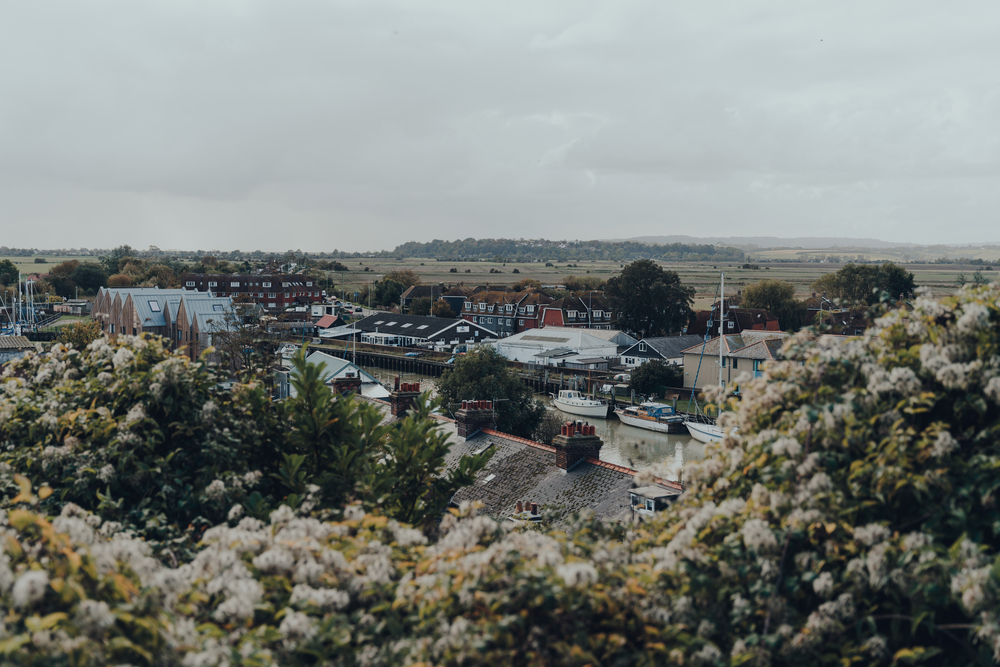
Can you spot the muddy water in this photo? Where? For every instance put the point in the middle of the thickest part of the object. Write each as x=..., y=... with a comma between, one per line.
x=623, y=445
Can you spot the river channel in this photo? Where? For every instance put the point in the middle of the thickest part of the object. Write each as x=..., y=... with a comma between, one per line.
x=635, y=448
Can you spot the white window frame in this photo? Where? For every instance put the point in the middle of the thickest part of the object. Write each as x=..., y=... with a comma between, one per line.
x=266, y=285
x=642, y=347
x=213, y=284
x=189, y=283
x=234, y=284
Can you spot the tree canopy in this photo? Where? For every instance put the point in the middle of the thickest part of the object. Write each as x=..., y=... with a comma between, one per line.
x=405, y=277
x=80, y=334
x=442, y=309
x=648, y=300
x=8, y=272
x=483, y=374
x=864, y=283
x=655, y=376
x=778, y=298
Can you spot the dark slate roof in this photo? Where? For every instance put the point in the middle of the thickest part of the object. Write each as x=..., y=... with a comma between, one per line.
x=527, y=471
x=669, y=347
x=419, y=291
x=416, y=326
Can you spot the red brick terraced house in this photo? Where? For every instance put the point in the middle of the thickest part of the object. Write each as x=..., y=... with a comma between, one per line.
x=505, y=313
x=738, y=320
x=582, y=310
x=274, y=292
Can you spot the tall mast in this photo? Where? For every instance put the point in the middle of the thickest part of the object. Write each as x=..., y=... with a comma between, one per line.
x=722, y=321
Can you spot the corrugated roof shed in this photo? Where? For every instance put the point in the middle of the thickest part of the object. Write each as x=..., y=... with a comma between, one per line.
x=15, y=343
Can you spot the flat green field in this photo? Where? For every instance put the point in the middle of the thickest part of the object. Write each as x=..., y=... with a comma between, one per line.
x=704, y=276
x=28, y=265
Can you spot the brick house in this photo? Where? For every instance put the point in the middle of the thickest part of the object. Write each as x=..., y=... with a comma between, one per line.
x=738, y=320
x=505, y=313
x=583, y=310
x=274, y=292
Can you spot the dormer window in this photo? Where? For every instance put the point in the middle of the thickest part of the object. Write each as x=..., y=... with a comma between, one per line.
x=490, y=309
x=267, y=284
x=468, y=305
x=531, y=309
x=510, y=308
x=482, y=306
x=598, y=313
x=572, y=314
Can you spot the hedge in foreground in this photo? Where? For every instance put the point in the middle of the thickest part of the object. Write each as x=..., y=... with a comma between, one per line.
x=853, y=521
x=161, y=444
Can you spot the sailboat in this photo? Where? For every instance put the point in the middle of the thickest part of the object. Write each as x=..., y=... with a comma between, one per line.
x=712, y=432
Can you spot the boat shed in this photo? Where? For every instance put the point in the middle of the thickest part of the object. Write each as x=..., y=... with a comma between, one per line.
x=616, y=336
x=592, y=364
x=552, y=347
x=14, y=347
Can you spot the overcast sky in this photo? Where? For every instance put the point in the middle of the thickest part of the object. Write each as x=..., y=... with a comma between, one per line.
x=361, y=125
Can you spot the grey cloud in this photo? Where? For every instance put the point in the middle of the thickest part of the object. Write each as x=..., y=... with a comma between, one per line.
x=365, y=124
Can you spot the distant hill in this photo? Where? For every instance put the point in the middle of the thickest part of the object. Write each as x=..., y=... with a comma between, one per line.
x=761, y=242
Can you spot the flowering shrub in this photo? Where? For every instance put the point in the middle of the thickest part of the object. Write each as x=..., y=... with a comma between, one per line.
x=852, y=520
x=134, y=432
x=145, y=437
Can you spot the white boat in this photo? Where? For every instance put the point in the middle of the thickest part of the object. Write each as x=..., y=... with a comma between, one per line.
x=650, y=416
x=576, y=403
x=705, y=432
x=711, y=432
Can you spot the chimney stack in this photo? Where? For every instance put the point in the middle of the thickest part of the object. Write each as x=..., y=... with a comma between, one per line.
x=403, y=398
x=575, y=442
x=351, y=384
x=473, y=416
